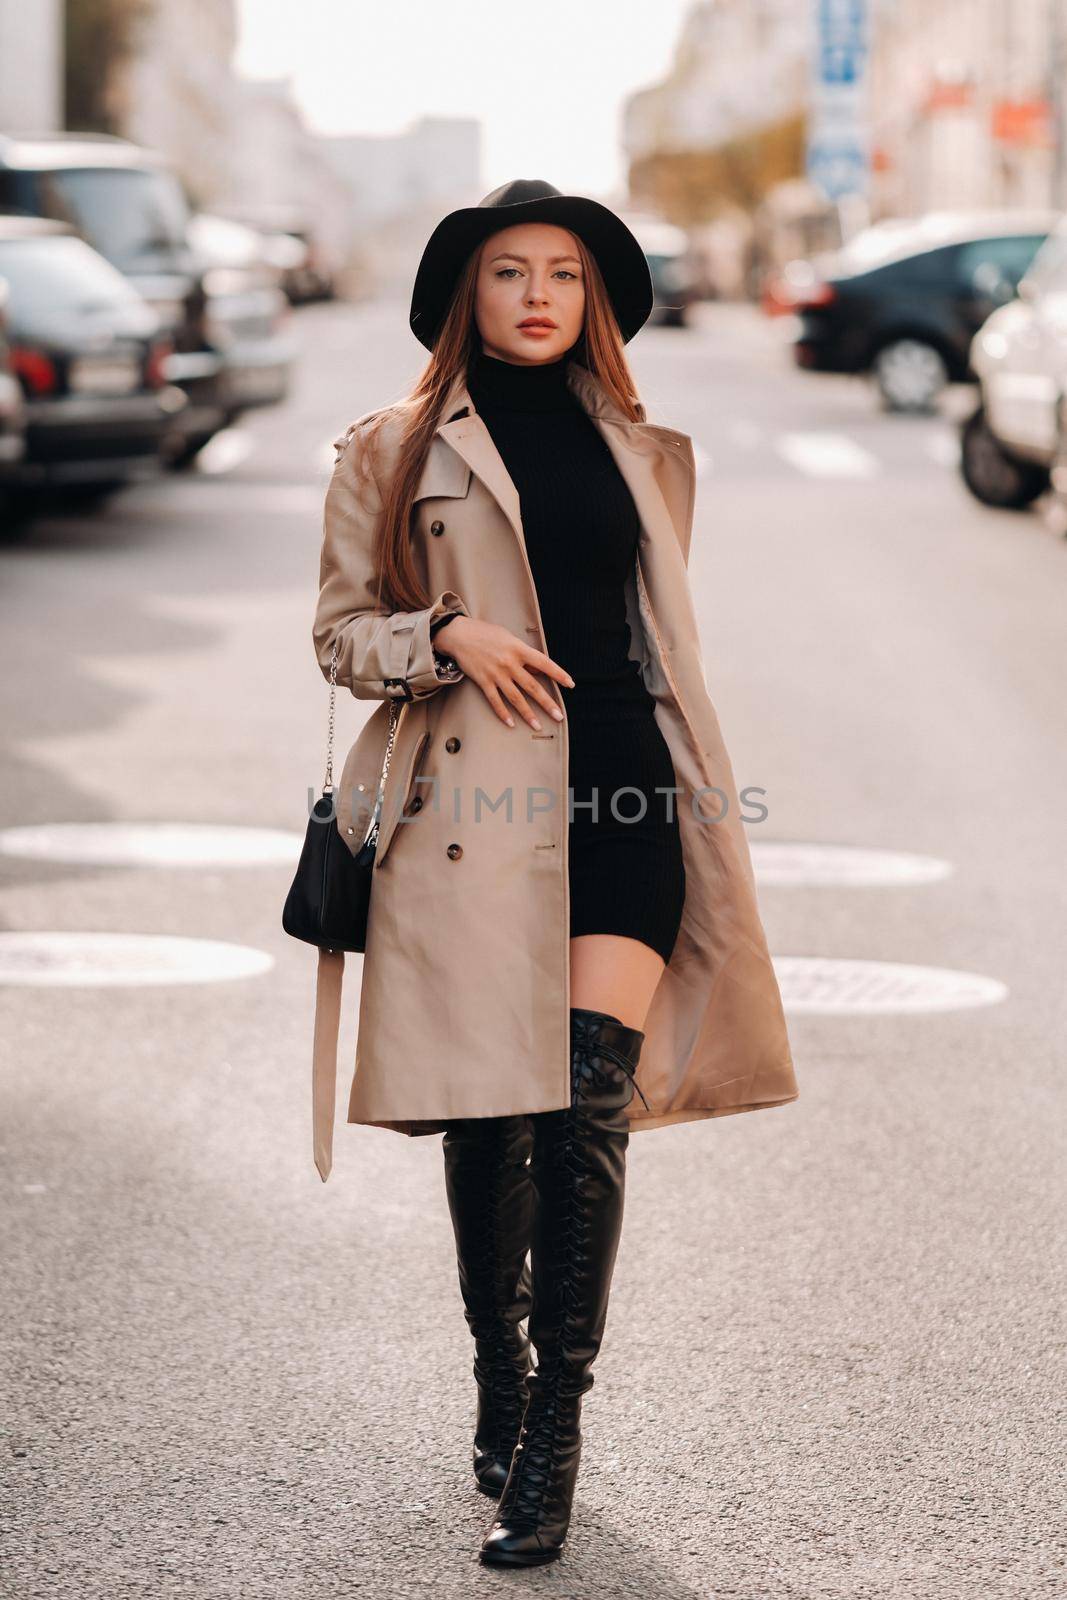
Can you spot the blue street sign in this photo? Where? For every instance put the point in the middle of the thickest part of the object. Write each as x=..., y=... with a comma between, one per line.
x=838, y=159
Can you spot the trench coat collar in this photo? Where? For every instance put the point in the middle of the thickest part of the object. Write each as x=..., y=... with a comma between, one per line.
x=634, y=445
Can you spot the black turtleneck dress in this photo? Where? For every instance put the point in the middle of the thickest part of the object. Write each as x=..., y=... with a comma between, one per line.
x=582, y=527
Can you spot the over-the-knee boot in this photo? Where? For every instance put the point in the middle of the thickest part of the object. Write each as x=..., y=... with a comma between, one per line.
x=490, y=1198
x=578, y=1169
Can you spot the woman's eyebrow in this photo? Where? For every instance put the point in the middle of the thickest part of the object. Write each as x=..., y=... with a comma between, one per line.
x=552, y=260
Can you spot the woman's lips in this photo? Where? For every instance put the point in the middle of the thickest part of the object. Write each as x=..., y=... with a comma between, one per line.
x=539, y=328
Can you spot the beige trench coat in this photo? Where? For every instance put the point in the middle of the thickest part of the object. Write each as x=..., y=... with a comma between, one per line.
x=464, y=1005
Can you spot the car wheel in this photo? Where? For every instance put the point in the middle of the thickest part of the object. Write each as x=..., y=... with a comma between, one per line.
x=18, y=510
x=1058, y=468
x=181, y=455
x=88, y=496
x=994, y=478
x=910, y=375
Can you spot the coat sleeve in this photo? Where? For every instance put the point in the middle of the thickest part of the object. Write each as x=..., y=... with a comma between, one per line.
x=380, y=655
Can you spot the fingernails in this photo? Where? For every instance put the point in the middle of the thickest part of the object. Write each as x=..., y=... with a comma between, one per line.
x=557, y=713
x=510, y=721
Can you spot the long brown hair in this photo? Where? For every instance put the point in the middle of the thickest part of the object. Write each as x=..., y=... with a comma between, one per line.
x=600, y=349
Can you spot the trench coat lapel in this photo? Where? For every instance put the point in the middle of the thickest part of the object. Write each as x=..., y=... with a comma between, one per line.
x=637, y=448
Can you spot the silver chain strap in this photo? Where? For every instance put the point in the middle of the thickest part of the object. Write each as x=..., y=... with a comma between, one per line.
x=395, y=709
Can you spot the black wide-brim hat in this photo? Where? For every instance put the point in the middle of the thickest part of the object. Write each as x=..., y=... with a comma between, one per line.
x=621, y=260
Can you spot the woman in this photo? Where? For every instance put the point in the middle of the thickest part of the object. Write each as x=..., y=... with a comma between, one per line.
x=602, y=910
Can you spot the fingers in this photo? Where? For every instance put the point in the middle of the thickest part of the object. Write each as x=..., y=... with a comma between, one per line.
x=511, y=692
x=492, y=694
x=507, y=680
x=529, y=684
x=542, y=663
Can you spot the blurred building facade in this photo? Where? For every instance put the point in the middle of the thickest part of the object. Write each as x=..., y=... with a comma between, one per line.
x=727, y=120
x=964, y=101
x=966, y=106
x=31, y=66
x=966, y=111
x=244, y=148
x=178, y=92
x=278, y=167
x=401, y=185
x=392, y=175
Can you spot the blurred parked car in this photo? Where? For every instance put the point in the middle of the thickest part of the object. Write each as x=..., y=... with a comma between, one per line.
x=12, y=405
x=130, y=206
x=249, y=311
x=296, y=245
x=310, y=277
x=903, y=300
x=89, y=356
x=1016, y=437
x=674, y=270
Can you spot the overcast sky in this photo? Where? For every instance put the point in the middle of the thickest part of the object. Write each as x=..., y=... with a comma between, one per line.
x=546, y=80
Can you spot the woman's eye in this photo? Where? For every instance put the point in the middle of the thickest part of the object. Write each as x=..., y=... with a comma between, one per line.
x=503, y=271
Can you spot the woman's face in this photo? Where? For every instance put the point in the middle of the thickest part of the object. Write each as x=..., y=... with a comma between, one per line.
x=530, y=273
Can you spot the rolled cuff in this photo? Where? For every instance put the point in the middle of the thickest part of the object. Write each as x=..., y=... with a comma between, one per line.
x=413, y=658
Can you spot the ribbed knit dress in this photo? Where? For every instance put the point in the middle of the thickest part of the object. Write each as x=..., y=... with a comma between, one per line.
x=581, y=526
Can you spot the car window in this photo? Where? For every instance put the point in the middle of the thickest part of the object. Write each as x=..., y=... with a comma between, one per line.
x=873, y=247
x=984, y=264
x=934, y=267
x=9, y=190
x=46, y=274
x=132, y=216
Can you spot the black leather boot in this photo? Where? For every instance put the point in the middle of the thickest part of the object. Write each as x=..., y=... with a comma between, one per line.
x=490, y=1198
x=578, y=1169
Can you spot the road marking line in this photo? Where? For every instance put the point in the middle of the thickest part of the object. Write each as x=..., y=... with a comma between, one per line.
x=228, y=448
x=843, y=865
x=827, y=455
x=212, y=495
x=943, y=446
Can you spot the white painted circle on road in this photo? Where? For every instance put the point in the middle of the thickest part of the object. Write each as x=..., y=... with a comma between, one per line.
x=100, y=960
x=829, y=987
x=151, y=844
x=843, y=866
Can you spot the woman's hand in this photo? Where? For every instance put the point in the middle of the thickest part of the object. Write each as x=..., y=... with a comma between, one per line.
x=503, y=667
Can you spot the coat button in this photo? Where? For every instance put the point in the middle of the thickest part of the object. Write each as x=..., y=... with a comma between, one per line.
x=437, y=528
x=452, y=745
x=416, y=804
x=454, y=852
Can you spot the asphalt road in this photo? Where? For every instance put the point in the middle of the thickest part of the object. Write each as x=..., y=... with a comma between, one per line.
x=834, y=1359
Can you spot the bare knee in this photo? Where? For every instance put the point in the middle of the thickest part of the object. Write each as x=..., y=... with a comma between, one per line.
x=615, y=975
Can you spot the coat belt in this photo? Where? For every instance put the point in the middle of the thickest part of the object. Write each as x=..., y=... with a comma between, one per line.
x=328, y=982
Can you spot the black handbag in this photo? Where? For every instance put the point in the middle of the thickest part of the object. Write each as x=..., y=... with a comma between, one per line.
x=329, y=898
